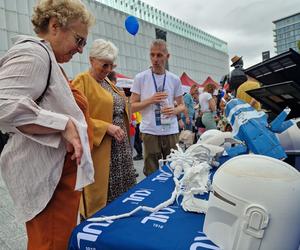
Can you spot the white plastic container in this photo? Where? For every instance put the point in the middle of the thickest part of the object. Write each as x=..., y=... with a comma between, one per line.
x=290, y=139
x=255, y=204
x=164, y=119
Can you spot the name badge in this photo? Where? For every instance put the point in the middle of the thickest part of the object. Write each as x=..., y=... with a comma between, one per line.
x=157, y=115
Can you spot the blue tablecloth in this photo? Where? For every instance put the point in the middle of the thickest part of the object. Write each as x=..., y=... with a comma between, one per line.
x=170, y=228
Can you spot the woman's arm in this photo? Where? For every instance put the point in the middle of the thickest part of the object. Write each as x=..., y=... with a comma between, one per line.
x=23, y=77
x=70, y=134
x=212, y=104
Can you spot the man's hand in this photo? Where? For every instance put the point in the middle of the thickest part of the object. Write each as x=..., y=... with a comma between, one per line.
x=181, y=124
x=116, y=132
x=158, y=97
x=168, y=111
x=138, y=105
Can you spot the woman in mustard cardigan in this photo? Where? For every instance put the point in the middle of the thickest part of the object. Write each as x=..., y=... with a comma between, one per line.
x=111, y=153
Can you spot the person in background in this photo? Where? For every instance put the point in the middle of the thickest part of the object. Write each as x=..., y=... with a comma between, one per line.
x=249, y=84
x=200, y=128
x=223, y=124
x=111, y=153
x=189, y=101
x=153, y=94
x=179, y=120
x=208, y=106
x=112, y=76
x=48, y=139
x=137, y=138
x=132, y=126
x=237, y=76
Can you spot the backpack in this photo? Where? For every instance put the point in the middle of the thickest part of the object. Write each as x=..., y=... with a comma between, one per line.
x=4, y=136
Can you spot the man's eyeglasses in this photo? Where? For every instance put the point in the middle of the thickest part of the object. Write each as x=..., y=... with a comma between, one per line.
x=80, y=41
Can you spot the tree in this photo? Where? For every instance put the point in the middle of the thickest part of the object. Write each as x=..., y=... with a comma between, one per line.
x=299, y=45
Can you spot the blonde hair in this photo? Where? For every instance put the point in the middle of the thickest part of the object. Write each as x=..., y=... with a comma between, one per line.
x=210, y=87
x=64, y=10
x=193, y=89
x=104, y=50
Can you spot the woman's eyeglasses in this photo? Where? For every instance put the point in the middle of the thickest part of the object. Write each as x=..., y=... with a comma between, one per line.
x=105, y=65
x=108, y=66
x=80, y=41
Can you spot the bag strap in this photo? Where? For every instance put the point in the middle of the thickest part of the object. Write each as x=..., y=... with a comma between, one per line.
x=38, y=100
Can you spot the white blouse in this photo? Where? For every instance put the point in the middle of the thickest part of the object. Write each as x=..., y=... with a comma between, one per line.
x=31, y=165
x=204, y=101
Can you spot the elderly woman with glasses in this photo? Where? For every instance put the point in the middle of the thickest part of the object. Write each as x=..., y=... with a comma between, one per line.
x=111, y=153
x=48, y=137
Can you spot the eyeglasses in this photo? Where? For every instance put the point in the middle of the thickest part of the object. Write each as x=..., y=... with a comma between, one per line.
x=106, y=66
x=80, y=41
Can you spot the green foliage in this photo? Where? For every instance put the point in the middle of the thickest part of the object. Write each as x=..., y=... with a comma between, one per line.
x=299, y=45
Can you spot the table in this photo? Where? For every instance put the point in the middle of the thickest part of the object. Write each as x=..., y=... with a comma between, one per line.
x=170, y=228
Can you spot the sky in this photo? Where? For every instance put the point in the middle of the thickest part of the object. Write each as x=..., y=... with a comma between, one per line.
x=246, y=25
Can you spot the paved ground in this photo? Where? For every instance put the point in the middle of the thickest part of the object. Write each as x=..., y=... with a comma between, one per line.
x=12, y=234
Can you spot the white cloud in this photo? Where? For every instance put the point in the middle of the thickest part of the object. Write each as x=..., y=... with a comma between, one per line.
x=245, y=25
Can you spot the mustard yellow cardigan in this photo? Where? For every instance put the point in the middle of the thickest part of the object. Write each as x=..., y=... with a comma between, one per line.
x=100, y=103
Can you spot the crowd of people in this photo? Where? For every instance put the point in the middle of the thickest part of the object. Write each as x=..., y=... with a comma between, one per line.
x=70, y=145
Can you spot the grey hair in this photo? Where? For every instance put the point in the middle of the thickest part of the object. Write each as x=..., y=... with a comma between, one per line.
x=160, y=43
x=104, y=50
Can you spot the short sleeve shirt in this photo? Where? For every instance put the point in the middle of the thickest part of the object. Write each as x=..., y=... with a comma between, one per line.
x=203, y=101
x=143, y=85
x=189, y=104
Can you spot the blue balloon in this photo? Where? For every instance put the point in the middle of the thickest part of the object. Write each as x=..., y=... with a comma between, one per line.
x=132, y=25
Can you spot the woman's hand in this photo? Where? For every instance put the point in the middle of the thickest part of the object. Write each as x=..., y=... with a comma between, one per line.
x=70, y=135
x=116, y=132
x=73, y=143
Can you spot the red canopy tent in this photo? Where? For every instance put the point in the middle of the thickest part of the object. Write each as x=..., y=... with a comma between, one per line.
x=123, y=81
x=210, y=80
x=119, y=75
x=187, y=82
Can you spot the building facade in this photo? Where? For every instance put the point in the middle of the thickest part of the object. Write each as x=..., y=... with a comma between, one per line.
x=287, y=33
x=192, y=50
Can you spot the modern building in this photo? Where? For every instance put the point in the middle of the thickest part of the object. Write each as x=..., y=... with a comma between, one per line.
x=287, y=33
x=192, y=50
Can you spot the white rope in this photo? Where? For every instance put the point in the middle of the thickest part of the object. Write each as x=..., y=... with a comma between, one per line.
x=167, y=203
x=193, y=167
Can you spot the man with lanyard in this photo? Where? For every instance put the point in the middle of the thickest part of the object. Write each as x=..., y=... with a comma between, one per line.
x=153, y=94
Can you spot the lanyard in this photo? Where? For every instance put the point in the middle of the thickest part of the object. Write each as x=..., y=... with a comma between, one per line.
x=155, y=85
